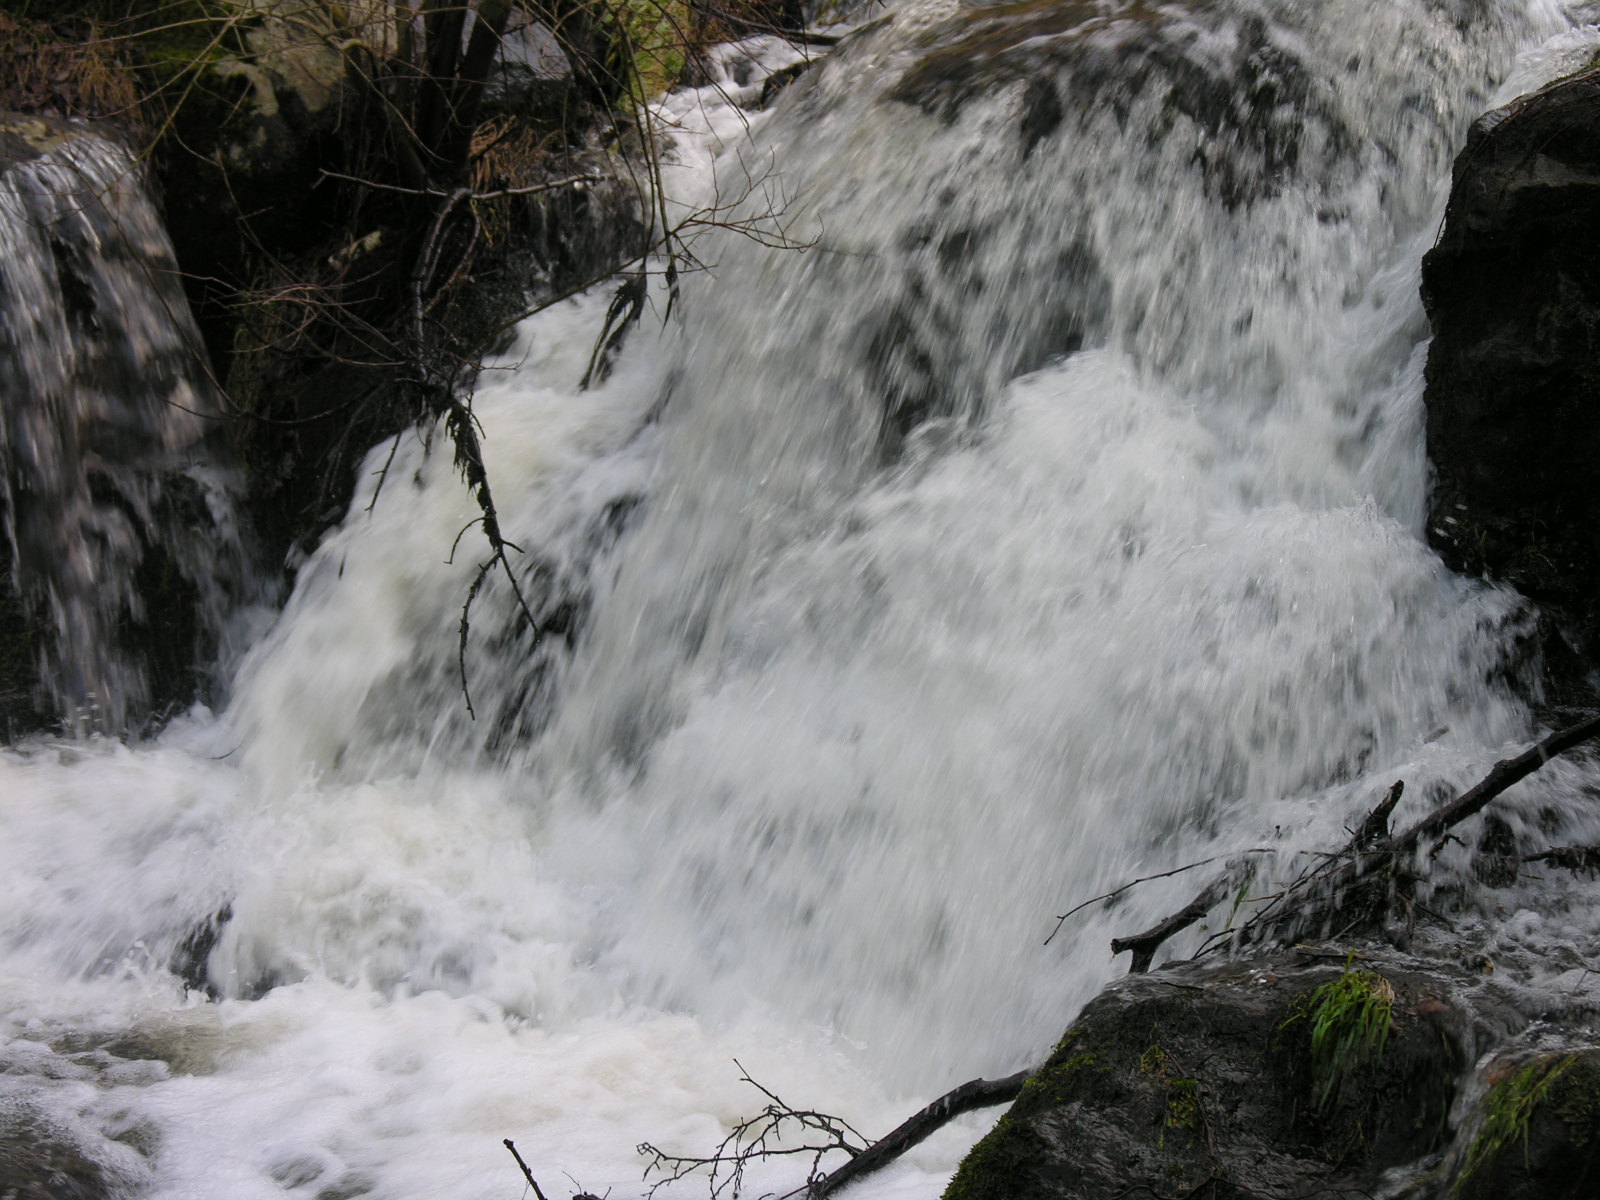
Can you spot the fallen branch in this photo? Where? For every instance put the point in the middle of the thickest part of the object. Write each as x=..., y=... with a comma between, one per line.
x=970, y=1096
x=1504, y=774
x=1568, y=858
x=526, y=1174
x=758, y=1138
x=1348, y=880
x=1144, y=945
x=1360, y=881
x=1376, y=826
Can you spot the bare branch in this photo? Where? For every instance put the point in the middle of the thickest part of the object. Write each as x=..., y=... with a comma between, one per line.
x=536, y=189
x=970, y=1096
x=1115, y=892
x=526, y=1174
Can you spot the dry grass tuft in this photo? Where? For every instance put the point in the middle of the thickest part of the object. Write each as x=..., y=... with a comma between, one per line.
x=50, y=75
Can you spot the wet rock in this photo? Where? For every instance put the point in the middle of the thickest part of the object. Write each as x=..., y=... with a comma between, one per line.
x=36, y=1167
x=59, y=1138
x=1253, y=109
x=44, y=1158
x=1513, y=376
x=117, y=500
x=1535, y=1131
x=1238, y=1079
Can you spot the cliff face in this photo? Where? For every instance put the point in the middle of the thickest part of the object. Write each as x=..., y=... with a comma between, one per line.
x=1513, y=397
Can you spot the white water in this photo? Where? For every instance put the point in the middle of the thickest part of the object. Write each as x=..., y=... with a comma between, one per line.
x=849, y=716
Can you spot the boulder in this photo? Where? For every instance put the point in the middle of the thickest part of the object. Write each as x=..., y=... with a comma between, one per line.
x=1513, y=377
x=1536, y=1132
x=1303, y=1073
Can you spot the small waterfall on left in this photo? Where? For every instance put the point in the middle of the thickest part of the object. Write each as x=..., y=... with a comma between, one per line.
x=117, y=499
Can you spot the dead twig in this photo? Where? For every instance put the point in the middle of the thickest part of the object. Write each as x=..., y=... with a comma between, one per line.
x=1117, y=891
x=526, y=1174
x=533, y=189
x=760, y=1137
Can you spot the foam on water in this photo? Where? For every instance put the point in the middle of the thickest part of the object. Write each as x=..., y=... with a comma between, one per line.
x=1003, y=544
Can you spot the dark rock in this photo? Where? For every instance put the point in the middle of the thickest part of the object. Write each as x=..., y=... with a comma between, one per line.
x=1203, y=1080
x=779, y=80
x=1536, y=1135
x=1513, y=376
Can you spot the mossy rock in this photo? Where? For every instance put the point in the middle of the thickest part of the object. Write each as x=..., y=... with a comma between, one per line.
x=1201, y=1081
x=1537, y=1131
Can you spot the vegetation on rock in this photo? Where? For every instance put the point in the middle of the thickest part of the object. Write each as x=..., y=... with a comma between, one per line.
x=1538, y=1129
x=1348, y=1020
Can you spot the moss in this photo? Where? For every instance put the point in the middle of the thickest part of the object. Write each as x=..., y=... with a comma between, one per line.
x=185, y=33
x=1574, y=1097
x=1013, y=1145
x=1510, y=1105
x=1180, y=1093
x=984, y=1172
x=654, y=39
x=1059, y=1079
x=1183, y=1103
x=1153, y=1061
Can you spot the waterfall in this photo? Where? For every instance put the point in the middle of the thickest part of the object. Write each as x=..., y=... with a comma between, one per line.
x=118, y=505
x=1026, y=496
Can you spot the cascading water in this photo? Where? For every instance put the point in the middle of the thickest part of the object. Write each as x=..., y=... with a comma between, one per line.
x=111, y=442
x=1047, y=513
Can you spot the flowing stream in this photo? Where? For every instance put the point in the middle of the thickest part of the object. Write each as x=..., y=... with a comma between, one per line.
x=1043, y=510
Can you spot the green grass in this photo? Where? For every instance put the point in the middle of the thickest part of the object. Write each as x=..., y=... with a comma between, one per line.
x=1349, y=1019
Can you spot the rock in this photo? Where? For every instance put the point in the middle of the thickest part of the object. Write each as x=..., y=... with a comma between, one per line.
x=1513, y=375
x=45, y=1157
x=123, y=558
x=1212, y=1079
x=1253, y=109
x=1536, y=1135
x=37, y=1163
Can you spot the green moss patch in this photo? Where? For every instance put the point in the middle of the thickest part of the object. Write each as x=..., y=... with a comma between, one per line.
x=1511, y=1105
